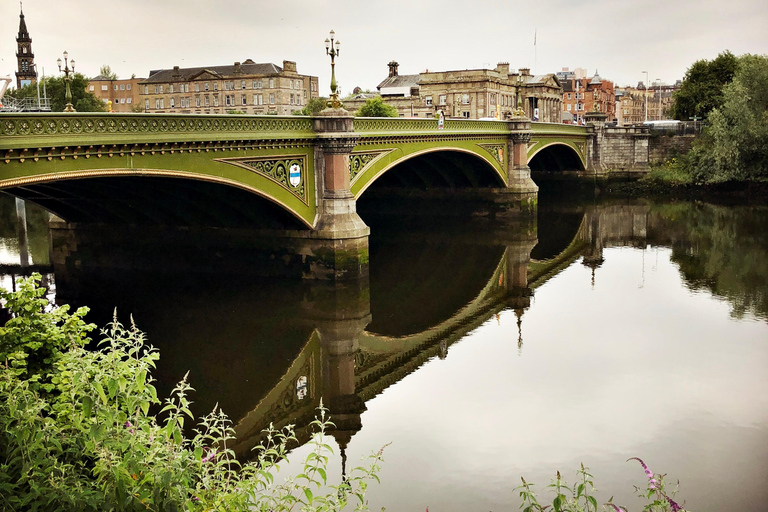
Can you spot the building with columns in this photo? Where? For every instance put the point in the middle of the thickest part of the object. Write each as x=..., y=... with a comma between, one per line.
x=248, y=87
x=27, y=73
x=471, y=93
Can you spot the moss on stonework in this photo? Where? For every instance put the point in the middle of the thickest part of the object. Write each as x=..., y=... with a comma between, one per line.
x=340, y=259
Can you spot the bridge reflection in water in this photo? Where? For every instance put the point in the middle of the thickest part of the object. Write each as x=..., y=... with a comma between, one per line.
x=269, y=351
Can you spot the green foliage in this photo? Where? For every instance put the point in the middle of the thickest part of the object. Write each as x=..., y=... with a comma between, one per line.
x=376, y=107
x=702, y=87
x=106, y=71
x=734, y=146
x=89, y=443
x=312, y=108
x=55, y=88
x=235, y=112
x=581, y=497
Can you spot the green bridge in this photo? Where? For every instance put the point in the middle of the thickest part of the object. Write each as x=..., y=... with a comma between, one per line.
x=217, y=171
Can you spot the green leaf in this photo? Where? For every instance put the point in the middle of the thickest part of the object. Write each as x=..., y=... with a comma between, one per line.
x=593, y=501
x=87, y=406
x=308, y=494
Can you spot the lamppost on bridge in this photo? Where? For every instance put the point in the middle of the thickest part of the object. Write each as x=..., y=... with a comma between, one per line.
x=519, y=112
x=646, y=94
x=332, y=49
x=67, y=80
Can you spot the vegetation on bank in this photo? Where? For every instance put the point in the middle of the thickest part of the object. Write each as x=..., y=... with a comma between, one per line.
x=76, y=433
x=376, y=107
x=734, y=145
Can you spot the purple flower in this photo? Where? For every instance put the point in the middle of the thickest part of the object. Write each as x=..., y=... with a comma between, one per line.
x=672, y=503
x=648, y=472
x=195, y=498
x=616, y=508
x=128, y=426
x=209, y=457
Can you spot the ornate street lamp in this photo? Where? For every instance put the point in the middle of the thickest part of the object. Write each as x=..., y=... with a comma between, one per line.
x=519, y=112
x=332, y=49
x=645, y=96
x=67, y=71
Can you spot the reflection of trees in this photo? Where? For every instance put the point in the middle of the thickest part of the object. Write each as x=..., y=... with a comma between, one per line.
x=720, y=249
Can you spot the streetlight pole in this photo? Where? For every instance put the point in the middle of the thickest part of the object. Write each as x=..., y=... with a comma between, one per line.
x=646, y=94
x=332, y=49
x=37, y=82
x=67, y=71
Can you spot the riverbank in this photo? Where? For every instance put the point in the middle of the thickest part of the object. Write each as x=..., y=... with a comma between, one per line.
x=731, y=192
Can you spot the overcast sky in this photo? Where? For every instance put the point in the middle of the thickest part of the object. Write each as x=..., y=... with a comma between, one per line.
x=619, y=38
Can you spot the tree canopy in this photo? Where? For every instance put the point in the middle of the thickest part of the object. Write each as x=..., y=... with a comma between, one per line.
x=312, y=108
x=106, y=71
x=735, y=144
x=55, y=88
x=702, y=87
x=376, y=107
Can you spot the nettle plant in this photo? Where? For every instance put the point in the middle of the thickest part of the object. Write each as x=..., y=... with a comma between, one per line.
x=76, y=432
x=581, y=496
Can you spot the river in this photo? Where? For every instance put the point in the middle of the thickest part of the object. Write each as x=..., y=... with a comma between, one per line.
x=486, y=352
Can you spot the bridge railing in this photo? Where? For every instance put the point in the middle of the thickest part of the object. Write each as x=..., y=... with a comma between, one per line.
x=371, y=126
x=27, y=129
x=559, y=128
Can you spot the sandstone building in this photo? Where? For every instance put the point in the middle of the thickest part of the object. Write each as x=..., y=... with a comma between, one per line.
x=124, y=94
x=582, y=95
x=248, y=87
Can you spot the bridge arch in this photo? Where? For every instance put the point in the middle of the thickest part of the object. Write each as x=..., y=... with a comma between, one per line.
x=156, y=196
x=433, y=167
x=548, y=156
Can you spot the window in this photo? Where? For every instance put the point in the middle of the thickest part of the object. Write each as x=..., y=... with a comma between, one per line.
x=465, y=114
x=146, y=104
x=258, y=84
x=24, y=50
x=271, y=98
x=465, y=99
x=569, y=107
x=146, y=90
x=291, y=100
x=197, y=101
x=186, y=87
x=242, y=84
x=127, y=87
x=170, y=89
x=271, y=83
x=122, y=87
x=442, y=99
x=104, y=87
x=215, y=86
x=129, y=100
x=197, y=87
x=161, y=89
x=207, y=101
x=428, y=101
x=162, y=103
x=313, y=85
x=258, y=99
x=115, y=87
x=291, y=83
x=215, y=101
x=122, y=100
x=243, y=99
x=205, y=86
x=157, y=103
x=568, y=95
x=90, y=88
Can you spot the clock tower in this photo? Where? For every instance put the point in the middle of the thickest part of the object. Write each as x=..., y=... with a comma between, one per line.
x=27, y=74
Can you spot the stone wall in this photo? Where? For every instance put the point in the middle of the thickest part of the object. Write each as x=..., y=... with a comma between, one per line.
x=625, y=150
x=664, y=147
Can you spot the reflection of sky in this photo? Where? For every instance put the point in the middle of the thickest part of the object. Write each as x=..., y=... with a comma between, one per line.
x=9, y=251
x=636, y=366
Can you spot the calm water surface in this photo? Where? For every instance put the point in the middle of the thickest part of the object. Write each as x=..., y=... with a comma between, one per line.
x=637, y=330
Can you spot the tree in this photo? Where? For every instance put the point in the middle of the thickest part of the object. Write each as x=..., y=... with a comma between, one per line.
x=376, y=107
x=106, y=71
x=314, y=107
x=702, y=88
x=735, y=144
x=55, y=88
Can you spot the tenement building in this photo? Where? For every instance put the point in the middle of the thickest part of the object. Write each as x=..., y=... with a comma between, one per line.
x=582, y=95
x=248, y=87
x=124, y=94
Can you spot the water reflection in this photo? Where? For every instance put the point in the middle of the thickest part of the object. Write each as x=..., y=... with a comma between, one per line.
x=486, y=352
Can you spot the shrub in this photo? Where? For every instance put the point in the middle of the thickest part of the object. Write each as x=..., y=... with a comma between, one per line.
x=76, y=431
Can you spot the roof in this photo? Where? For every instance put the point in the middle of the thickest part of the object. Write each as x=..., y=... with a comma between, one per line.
x=101, y=77
x=399, y=81
x=596, y=80
x=184, y=74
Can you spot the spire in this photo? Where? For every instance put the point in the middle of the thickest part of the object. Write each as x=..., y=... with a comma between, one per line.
x=23, y=33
